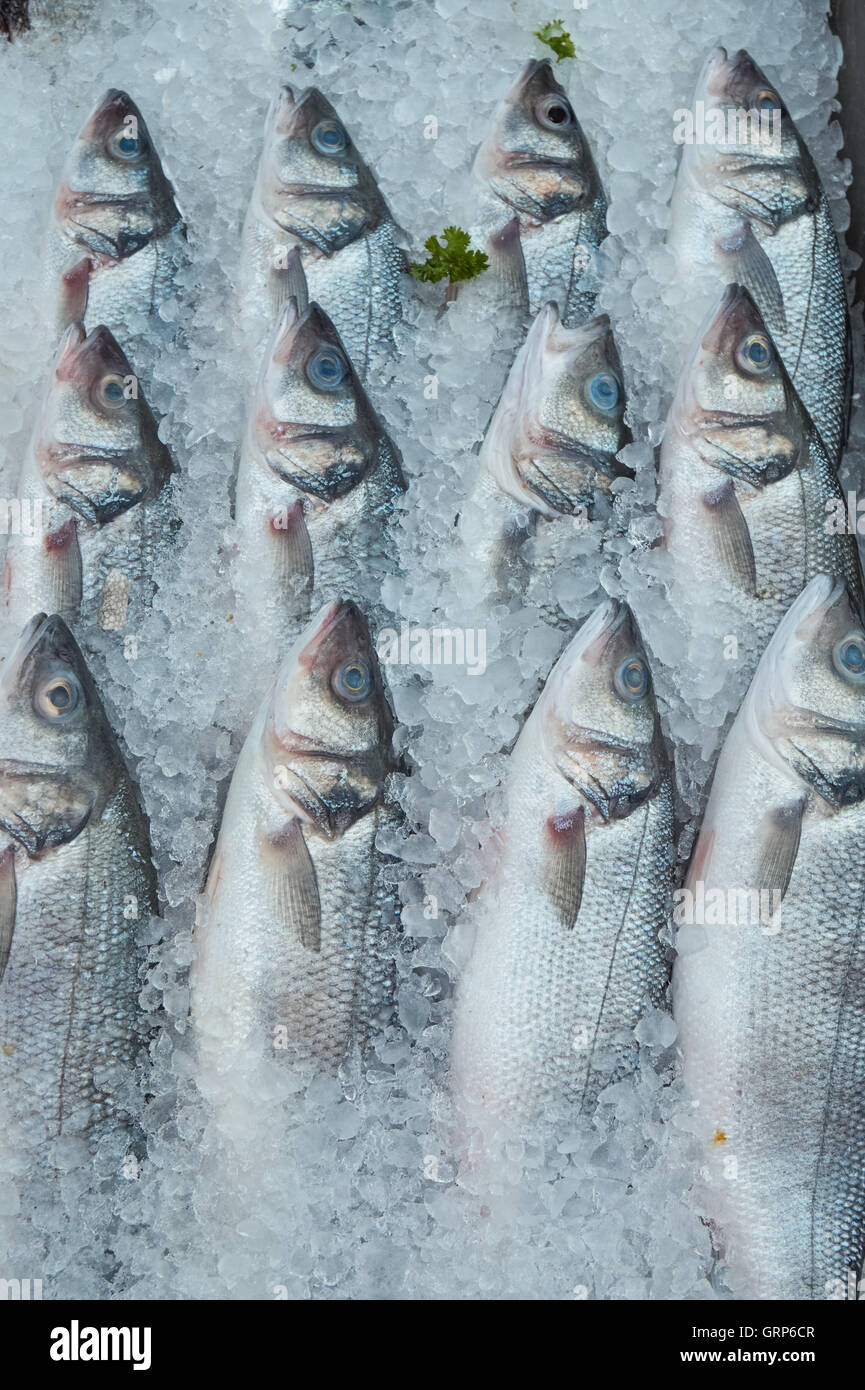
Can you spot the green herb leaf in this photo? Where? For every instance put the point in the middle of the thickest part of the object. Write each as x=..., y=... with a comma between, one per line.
x=556, y=37
x=451, y=257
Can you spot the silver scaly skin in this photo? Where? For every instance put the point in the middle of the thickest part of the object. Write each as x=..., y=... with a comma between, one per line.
x=300, y=930
x=567, y=952
x=117, y=238
x=550, y=446
x=767, y=989
x=744, y=485
x=314, y=194
x=94, y=492
x=753, y=213
x=535, y=163
x=317, y=483
x=75, y=879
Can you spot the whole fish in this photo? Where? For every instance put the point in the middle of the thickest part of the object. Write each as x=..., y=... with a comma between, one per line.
x=317, y=482
x=747, y=492
x=748, y=206
x=75, y=878
x=567, y=954
x=94, y=492
x=550, y=446
x=117, y=238
x=313, y=192
x=767, y=986
x=295, y=949
x=535, y=163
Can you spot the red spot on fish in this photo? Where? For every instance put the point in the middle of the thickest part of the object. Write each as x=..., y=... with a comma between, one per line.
x=60, y=540
x=562, y=829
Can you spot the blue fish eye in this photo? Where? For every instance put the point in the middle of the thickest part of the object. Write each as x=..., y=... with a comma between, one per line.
x=111, y=391
x=849, y=656
x=328, y=137
x=127, y=146
x=768, y=101
x=632, y=679
x=756, y=352
x=604, y=392
x=353, y=681
x=327, y=369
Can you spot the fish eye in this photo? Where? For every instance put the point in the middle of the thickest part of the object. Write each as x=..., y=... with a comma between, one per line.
x=125, y=145
x=767, y=100
x=848, y=657
x=632, y=679
x=755, y=354
x=554, y=112
x=353, y=681
x=57, y=697
x=327, y=369
x=604, y=392
x=111, y=391
x=328, y=137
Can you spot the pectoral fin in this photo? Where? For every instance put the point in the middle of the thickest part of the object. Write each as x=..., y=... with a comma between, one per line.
x=751, y=267
x=294, y=562
x=287, y=280
x=508, y=267
x=8, y=902
x=63, y=559
x=294, y=885
x=564, y=869
x=731, y=535
x=779, y=836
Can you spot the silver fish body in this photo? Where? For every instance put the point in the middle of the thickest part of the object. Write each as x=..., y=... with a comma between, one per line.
x=314, y=194
x=752, y=210
x=536, y=164
x=76, y=879
x=549, y=449
x=296, y=946
x=566, y=953
x=318, y=481
x=94, y=493
x=117, y=240
x=747, y=491
x=767, y=984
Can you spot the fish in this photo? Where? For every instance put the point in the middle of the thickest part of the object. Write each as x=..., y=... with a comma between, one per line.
x=566, y=951
x=76, y=878
x=535, y=163
x=295, y=949
x=314, y=194
x=318, y=481
x=752, y=210
x=767, y=984
x=747, y=493
x=94, y=493
x=117, y=239
x=549, y=449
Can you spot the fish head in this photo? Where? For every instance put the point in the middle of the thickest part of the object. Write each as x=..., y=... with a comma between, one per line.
x=806, y=706
x=114, y=196
x=329, y=728
x=58, y=758
x=535, y=157
x=735, y=403
x=596, y=717
x=560, y=421
x=749, y=154
x=97, y=445
x=313, y=422
x=312, y=181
